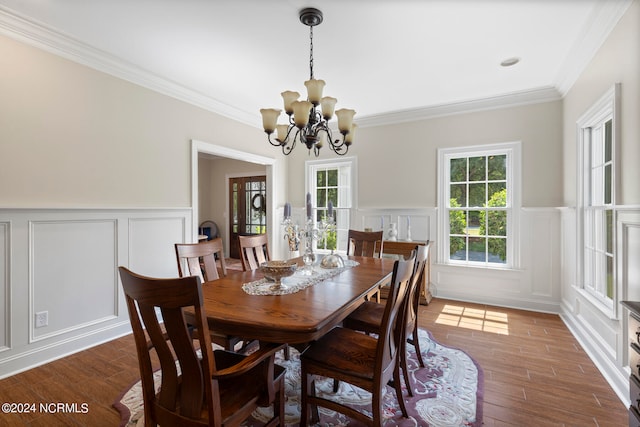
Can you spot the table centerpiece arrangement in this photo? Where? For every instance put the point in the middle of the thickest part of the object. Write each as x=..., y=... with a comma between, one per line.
x=312, y=231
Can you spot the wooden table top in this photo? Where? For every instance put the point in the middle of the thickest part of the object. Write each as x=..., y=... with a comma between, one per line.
x=295, y=318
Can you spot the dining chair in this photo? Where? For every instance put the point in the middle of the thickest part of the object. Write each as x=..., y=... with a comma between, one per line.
x=398, y=249
x=368, y=316
x=368, y=244
x=364, y=243
x=194, y=257
x=199, y=386
x=254, y=251
x=359, y=359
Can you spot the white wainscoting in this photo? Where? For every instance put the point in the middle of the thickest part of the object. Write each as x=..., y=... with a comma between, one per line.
x=605, y=339
x=5, y=305
x=64, y=262
x=421, y=221
x=533, y=283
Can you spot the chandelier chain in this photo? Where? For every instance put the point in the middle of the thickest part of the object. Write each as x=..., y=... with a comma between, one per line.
x=311, y=51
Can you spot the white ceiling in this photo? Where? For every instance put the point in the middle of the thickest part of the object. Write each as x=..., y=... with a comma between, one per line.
x=387, y=59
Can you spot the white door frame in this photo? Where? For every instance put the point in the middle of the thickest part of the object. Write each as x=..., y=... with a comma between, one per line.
x=198, y=147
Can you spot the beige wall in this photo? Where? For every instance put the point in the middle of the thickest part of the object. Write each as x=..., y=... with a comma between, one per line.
x=397, y=164
x=617, y=61
x=71, y=136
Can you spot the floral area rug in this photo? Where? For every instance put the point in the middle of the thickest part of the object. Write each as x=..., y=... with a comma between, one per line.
x=448, y=393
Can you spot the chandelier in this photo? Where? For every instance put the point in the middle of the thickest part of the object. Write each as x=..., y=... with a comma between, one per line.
x=308, y=123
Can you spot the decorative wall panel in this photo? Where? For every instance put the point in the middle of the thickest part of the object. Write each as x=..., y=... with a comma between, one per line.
x=62, y=264
x=72, y=274
x=151, y=245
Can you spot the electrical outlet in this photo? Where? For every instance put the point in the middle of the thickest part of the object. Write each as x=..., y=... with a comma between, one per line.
x=42, y=319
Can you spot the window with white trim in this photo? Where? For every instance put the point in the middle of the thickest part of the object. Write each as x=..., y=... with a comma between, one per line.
x=596, y=201
x=480, y=199
x=332, y=181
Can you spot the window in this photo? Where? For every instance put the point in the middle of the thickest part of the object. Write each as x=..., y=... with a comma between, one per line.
x=596, y=201
x=480, y=199
x=332, y=181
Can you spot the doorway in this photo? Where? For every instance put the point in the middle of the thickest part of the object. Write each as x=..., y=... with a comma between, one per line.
x=274, y=187
x=248, y=209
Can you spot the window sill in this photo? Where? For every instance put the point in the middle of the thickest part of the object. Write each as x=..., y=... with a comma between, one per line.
x=597, y=303
x=480, y=267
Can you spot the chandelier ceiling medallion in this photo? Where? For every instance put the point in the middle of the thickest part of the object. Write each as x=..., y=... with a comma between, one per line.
x=307, y=123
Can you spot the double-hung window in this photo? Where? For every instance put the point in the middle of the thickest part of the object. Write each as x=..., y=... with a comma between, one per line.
x=596, y=201
x=479, y=196
x=332, y=181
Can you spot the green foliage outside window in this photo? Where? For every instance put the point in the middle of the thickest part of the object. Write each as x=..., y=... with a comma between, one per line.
x=330, y=239
x=494, y=223
x=457, y=225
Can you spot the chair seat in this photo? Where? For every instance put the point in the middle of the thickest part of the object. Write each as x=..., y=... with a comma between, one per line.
x=366, y=318
x=237, y=394
x=237, y=390
x=358, y=359
x=344, y=351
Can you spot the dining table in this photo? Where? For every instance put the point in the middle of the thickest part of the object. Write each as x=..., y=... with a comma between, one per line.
x=296, y=318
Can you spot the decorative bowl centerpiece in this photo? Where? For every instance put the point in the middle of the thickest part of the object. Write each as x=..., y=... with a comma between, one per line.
x=276, y=270
x=332, y=261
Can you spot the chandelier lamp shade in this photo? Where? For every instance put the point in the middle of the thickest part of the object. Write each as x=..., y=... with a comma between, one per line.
x=309, y=119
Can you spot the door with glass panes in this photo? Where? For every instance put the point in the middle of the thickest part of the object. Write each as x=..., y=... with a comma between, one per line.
x=248, y=209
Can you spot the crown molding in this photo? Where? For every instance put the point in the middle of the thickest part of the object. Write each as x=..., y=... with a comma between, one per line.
x=602, y=21
x=534, y=96
x=35, y=34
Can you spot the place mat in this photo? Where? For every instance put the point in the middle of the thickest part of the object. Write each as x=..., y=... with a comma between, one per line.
x=298, y=281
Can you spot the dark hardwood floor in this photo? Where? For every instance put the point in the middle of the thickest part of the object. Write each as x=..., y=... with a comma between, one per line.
x=535, y=373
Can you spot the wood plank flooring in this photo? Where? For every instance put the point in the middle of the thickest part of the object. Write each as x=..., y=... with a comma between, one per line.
x=535, y=373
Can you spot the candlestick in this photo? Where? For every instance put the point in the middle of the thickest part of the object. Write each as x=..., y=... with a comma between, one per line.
x=310, y=231
x=330, y=209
